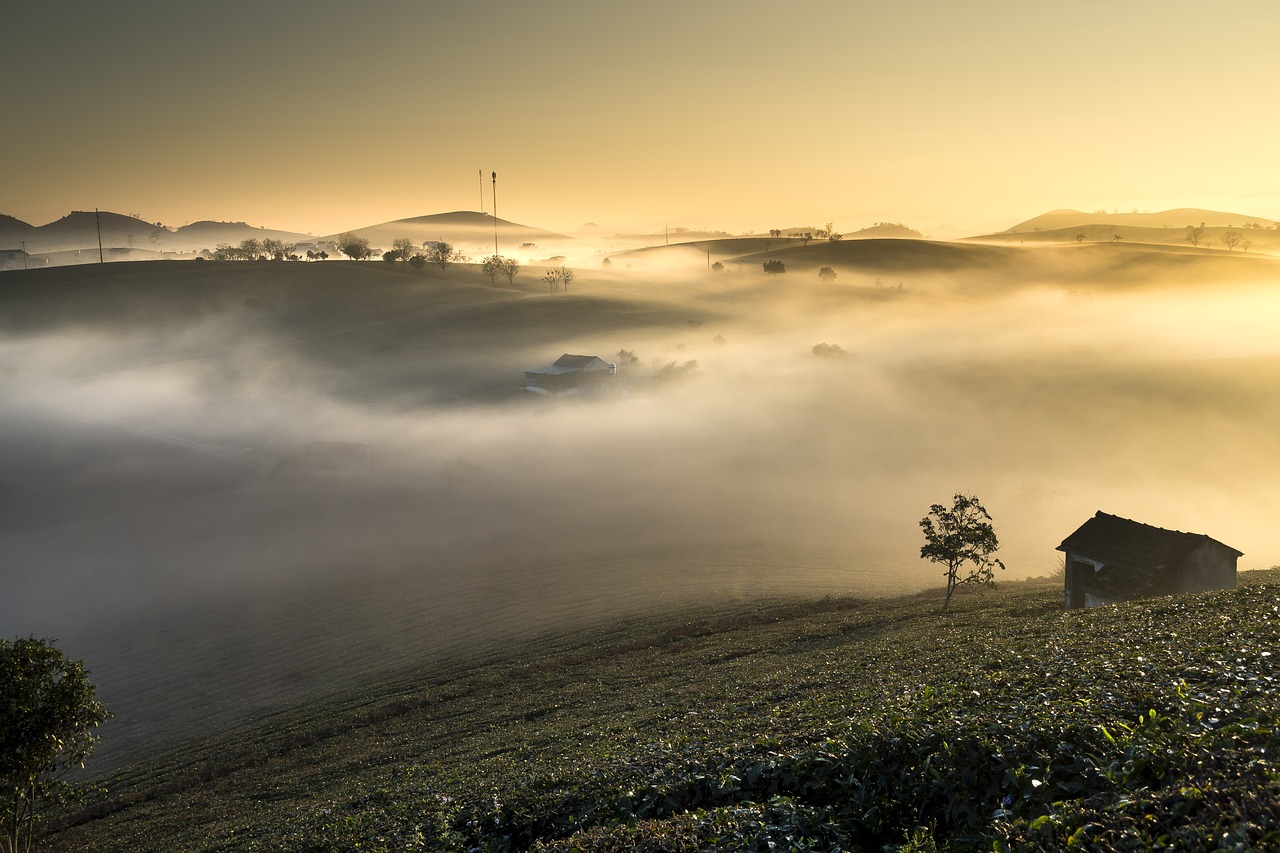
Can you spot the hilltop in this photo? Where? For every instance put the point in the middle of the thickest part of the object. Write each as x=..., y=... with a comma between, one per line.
x=1169, y=227
x=1177, y=218
x=466, y=229
x=844, y=722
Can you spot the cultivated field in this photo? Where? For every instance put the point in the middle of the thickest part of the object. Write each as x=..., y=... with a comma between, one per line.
x=158, y=516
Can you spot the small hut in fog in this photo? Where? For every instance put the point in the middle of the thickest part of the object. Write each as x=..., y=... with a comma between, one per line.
x=1111, y=559
x=571, y=374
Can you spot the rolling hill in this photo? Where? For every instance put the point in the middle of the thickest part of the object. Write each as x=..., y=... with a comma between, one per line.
x=467, y=230
x=1170, y=227
x=1177, y=218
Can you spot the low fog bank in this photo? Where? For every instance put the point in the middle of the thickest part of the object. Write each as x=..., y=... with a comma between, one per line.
x=167, y=517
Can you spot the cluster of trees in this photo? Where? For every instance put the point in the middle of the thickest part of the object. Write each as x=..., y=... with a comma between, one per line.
x=1232, y=238
x=354, y=246
x=251, y=249
x=442, y=254
x=496, y=265
x=404, y=249
x=774, y=267
x=803, y=236
x=558, y=278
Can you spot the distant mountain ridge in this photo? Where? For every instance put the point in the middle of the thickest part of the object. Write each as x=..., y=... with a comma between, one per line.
x=1213, y=229
x=78, y=231
x=1180, y=217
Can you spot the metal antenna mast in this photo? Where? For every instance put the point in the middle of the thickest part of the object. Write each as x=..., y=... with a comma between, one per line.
x=98, y=222
x=495, y=214
x=480, y=172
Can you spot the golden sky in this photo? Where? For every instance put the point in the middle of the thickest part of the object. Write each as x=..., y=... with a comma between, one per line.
x=321, y=116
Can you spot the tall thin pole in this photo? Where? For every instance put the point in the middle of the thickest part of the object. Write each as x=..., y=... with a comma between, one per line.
x=480, y=172
x=98, y=222
x=495, y=214
x=24, y=253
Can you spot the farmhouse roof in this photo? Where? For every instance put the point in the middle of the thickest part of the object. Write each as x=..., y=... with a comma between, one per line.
x=1131, y=545
x=577, y=362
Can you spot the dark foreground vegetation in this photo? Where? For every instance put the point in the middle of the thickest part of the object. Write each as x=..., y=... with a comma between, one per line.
x=837, y=724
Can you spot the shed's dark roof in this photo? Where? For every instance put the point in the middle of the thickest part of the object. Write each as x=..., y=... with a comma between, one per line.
x=578, y=362
x=1125, y=544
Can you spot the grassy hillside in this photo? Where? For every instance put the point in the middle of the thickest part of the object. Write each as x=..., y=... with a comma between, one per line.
x=832, y=724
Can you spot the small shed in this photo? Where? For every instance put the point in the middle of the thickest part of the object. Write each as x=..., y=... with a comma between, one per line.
x=1111, y=559
x=571, y=374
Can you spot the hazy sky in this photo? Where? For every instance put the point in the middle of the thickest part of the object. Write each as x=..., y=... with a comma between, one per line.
x=321, y=115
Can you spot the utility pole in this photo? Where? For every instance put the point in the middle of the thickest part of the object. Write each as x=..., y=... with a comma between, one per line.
x=495, y=214
x=480, y=172
x=24, y=253
x=97, y=221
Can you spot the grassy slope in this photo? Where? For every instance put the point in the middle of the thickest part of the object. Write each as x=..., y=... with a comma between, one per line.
x=811, y=725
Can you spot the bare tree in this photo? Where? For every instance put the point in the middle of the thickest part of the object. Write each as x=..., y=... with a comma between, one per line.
x=509, y=268
x=558, y=277
x=1195, y=234
x=1231, y=238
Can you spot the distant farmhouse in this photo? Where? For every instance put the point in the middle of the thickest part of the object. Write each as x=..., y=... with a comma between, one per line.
x=1111, y=559
x=572, y=375
x=16, y=259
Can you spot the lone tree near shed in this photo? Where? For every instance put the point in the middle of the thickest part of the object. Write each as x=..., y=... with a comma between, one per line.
x=961, y=538
x=47, y=718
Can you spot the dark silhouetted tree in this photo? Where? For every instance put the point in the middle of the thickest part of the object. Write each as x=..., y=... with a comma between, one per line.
x=510, y=267
x=403, y=248
x=275, y=249
x=1080, y=235
x=962, y=539
x=417, y=260
x=47, y=719
x=1231, y=238
x=492, y=267
x=717, y=267
x=774, y=267
x=443, y=254
x=354, y=247
x=827, y=274
x=558, y=278
x=1195, y=234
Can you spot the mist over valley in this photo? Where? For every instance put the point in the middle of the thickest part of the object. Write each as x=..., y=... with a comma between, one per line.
x=169, y=515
